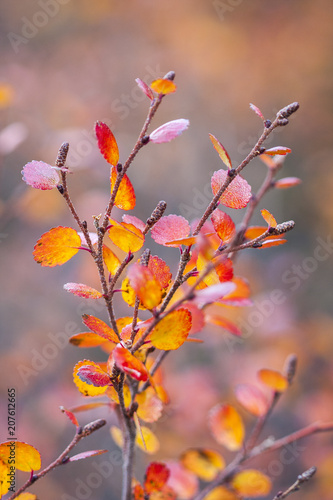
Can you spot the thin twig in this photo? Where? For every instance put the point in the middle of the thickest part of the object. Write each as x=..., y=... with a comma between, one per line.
x=302, y=478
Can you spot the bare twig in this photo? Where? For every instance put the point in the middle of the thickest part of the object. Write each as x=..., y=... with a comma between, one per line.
x=302, y=478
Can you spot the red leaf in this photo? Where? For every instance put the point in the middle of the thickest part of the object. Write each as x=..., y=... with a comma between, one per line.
x=156, y=476
x=257, y=111
x=40, y=175
x=145, y=89
x=168, y=131
x=145, y=285
x=287, y=182
x=127, y=363
x=238, y=193
x=98, y=326
x=278, y=150
x=82, y=290
x=223, y=225
x=221, y=151
x=223, y=323
x=57, y=246
x=107, y=143
x=86, y=454
x=170, y=227
x=93, y=375
x=70, y=415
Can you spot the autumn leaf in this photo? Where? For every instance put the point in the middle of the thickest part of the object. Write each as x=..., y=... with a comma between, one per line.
x=82, y=290
x=273, y=379
x=129, y=364
x=287, y=182
x=224, y=323
x=251, y=483
x=168, y=228
x=145, y=285
x=107, y=143
x=213, y=293
x=100, y=328
x=268, y=217
x=160, y=270
x=221, y=151
x=257, y=111
x=163, y=86
x=272, y=243
x=198, y=317
x=40, y=175
x=125, y=197
x=253, y=232
x=114, y=396
x=86, y=388
x=4, y=483
x=27, y=458
x=92, y=374
x=57, y=246
x=223, y=225
x=148, y=441
x=86, y=454
x=221, y=493
x=168, y=131
x=240, y=296
x=150, y=406
x=252, y=399
x=87, y=339
x=111, y=260
x=138, y=492
x=204, y=463
x=26, y=496
x=156, y=476
x=135, y=221
x=237, y=194
x=145, y=88
x=126, y=236
x=172, y=331
x=70, y=415
x=227, y=426
x=182, y=481
x=278, y=150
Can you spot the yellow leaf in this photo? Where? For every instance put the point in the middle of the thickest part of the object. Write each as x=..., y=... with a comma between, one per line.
x=273, y=379
x=163, y=86
x=27, y=458
x=204, y=463
x=251, y=483
x=150, y=406
x=126, y=236
x=4, y=484
x=221, y=493
x=111, y=260
x=150, y=443
x=57, y=246
x=145, y=285
x=85, y=388
x=172, y=331
x=125, y=197
x=26, y=496
x=227, y=426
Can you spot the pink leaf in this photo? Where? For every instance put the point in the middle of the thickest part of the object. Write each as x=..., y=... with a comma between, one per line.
x=169, y=228
x=40, y=175
x=278, y=150
x=145, y=89
x=213, y=293
x=169, y=131
x=70, y=415
x=82, y=290
x=131, y=219
x=86, y=454
x=257, y=111
x=93, y=375
x=237, y=194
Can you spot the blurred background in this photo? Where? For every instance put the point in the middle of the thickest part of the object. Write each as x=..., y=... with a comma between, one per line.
x=66, y=64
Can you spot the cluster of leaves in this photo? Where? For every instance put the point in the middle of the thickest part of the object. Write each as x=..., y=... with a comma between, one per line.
x=178, y=307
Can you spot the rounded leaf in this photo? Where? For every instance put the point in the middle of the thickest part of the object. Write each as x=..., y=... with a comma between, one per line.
x=57, y=246
x=273, y=379
x=150, y=406
x=221, y=493
x=111, y=260
x=168, y=131
x=156, y=476
x=40, y=175
x=171, y=227
x=100, y=328
x=148, y=441
x=27, y=458
x=87, y=339
x=237, y=194
x=227, y=426
x=204, y=463
x=182, y=481
x=268, y=217
x=163, y=86
x=223, y=225
x=251, y=483
x=87, y=389
x=172, y=331
x=145, y=285
x=129, y=364
x=93, y=375
x=126, y=236
x=252, y=399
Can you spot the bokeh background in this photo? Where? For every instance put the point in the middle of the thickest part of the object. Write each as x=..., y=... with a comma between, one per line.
x=65, y=64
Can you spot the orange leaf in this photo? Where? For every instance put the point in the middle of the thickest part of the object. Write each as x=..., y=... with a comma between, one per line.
x=278, y=150
x=111, y=260
x=287, y=182
x=160, y=270
x=273, y=379
x=138, y=492
x=86, y=388
x=272, y=243
x=131, y=219
x=182, y=481
x=172, y=331
x=129, y=364
x=239, y=296
x=150, y=405
x=100, y=328
x=252, y=399
x=125, y=236
x=223, y=323
x=163, y=86
x=169, y=228
x=156, y=476
x=145, y=285
x=227, y=426
x=4, y=483
x=251, y=483
x=223, y=225
x=268, y=217
x=82, y=290
x=90, y=406
x=107, y=143
x=27, y=458
x=254, y=231
x=26, y=496
x=87, y=339
x=204, y=463
x=125, y=197
x=237, y=194
x=221, y=151
x=57, y=246
x=182, y=241
x=221, y=493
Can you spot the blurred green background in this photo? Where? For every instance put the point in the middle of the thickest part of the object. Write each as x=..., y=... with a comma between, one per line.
x=66, y=64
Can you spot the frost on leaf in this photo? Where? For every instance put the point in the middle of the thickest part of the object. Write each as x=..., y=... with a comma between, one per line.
x=125, y=197
x=40, y=175
x=82, y=290
x=168, y=131
x=237, y=194
x=107, y=143
x=171, y=227
x=57, y=246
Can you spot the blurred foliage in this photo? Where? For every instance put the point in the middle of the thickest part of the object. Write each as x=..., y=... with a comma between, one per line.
x=77, y=66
